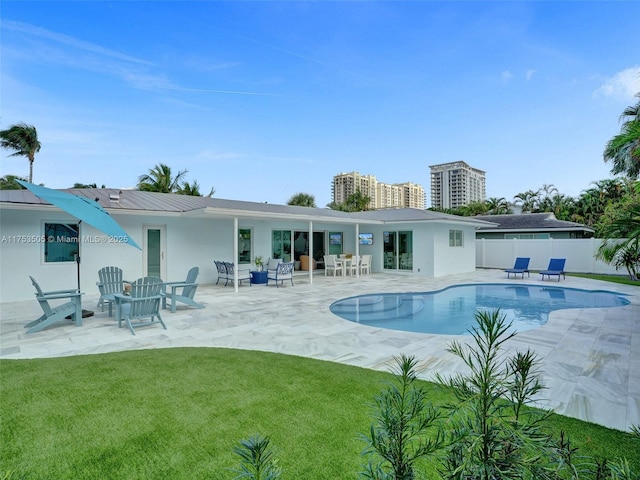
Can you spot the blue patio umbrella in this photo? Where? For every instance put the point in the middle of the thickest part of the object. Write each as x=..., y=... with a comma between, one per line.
x=85, y=210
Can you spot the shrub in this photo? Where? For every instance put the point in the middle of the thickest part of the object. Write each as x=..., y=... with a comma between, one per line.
x=403, y=420
x=257, y=460
x=499, y=438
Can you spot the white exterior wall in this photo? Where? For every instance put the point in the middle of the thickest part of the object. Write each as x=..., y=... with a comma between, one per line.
x=190, y=242
x=423, y=248
x=432, y=255
x=579, y=252
x=194, y=241
x=451, y=260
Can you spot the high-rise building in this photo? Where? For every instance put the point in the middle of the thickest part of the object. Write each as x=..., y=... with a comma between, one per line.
x=382, y=195
x=456, y=184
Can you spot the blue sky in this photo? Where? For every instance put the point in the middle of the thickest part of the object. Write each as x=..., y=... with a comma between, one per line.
x=261, y=100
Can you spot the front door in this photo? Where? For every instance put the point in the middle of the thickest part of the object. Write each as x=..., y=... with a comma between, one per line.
x=155, y=258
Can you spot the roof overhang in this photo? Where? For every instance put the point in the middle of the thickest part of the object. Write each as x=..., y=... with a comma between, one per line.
x=536, y=230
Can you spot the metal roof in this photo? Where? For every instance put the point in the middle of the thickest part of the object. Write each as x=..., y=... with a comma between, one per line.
x=136, y=202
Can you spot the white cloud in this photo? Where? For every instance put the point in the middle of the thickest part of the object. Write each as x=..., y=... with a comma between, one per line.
x=623, y=85
x=70, y=41
x=506, y=76
x=530, y=74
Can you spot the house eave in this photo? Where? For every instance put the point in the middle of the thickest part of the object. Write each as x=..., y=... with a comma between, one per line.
x=535, y=230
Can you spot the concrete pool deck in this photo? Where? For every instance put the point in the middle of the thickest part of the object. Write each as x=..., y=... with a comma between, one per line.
x=590, y=357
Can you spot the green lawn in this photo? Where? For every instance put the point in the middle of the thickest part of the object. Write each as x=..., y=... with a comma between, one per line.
x=177, y=413
x=623, y=279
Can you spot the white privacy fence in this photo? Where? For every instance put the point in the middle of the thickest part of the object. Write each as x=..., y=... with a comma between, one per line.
x=580, y=254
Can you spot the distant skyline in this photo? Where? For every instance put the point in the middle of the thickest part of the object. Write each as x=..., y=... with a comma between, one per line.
x=262, y=100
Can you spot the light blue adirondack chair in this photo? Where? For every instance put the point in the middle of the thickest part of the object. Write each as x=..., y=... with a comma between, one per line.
x=109, y=283
x=51, y=315
x=181, y=291
x=142, y=306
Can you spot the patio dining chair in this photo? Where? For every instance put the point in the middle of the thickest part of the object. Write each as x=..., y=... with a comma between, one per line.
x=71, y=309
x=333, y=265
x=365, y=264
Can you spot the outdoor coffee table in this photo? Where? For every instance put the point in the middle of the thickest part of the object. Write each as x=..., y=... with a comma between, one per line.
x=258, y=277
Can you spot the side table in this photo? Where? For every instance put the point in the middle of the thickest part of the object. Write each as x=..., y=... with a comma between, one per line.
x=258, y=277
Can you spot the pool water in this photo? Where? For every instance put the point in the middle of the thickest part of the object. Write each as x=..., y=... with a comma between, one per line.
x=452, y=311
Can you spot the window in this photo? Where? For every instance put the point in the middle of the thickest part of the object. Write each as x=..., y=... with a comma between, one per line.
x=455, y=238
x=335, y=243
x=527, y=236
x=244, y=245
x=62, y=242
x=281, y=244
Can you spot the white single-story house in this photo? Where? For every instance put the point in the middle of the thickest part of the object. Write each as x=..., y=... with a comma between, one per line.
x=177, y=232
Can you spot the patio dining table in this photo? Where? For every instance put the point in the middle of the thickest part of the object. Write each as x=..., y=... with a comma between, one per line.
x=347, y=262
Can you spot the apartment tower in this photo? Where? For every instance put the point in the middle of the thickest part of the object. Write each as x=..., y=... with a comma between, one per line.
x=382, y=195
x=456, y=184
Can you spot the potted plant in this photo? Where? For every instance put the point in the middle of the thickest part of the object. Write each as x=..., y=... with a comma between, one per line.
x=259, y=262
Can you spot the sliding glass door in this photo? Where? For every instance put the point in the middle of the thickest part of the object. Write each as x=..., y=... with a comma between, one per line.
x=398, y=250
x=390, y=260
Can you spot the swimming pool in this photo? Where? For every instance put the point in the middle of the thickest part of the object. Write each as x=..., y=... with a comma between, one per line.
x=452, y=310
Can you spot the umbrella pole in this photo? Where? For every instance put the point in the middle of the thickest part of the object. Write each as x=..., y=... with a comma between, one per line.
x=78, y=255
x=78, y=266
x=85, y=313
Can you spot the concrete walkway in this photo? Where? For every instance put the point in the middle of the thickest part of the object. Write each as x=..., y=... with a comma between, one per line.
x=590, y=357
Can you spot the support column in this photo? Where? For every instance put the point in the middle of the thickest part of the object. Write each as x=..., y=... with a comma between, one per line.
x=310, y=251
x=235, y=253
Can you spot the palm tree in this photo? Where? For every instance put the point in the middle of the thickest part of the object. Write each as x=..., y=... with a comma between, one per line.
x=192, y=189
x=302, y=200
x=8, y=182
x=160, y=179
x=473, y=208
x=23, y=139
x=546, y=201
x=528, y=200
x=592, y=202
x=621, y=251
x=562, y=206
x=497, y=206
x=620, y=225
x=356, y=202
x=624, y=149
